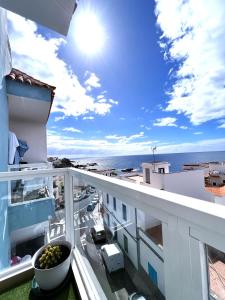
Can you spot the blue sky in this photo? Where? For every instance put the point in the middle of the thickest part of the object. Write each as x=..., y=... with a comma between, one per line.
x=158, y=78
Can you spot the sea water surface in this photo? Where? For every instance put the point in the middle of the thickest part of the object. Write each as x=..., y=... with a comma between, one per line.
x=134, y=161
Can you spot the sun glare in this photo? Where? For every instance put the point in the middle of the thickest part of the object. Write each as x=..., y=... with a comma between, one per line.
x=89, y=33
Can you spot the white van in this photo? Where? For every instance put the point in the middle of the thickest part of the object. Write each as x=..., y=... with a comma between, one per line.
x=113, y=257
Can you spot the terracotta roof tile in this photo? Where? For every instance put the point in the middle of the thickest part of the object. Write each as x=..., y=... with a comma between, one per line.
x=18, y=75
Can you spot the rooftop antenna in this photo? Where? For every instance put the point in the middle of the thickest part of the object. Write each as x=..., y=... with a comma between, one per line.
x=153, y=152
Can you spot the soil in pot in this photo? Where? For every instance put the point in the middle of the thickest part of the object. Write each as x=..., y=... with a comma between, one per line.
x=65, y=253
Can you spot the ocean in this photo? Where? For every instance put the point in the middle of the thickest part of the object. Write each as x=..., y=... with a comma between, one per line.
x=134, y=161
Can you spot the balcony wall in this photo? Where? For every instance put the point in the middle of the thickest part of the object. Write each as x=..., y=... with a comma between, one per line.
x=5, y=63
x=29, y=213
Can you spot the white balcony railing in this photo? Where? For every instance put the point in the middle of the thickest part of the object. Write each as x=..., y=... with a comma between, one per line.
x=188, y=224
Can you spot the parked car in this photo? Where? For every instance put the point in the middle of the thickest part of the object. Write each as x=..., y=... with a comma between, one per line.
x=90, y=207
x=94, y=201
x=80, y=197
x=113, y=257
x=98, y=233
x=91, y=190
x=137, y=296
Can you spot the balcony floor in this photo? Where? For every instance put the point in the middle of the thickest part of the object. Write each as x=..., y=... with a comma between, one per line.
x=155, y=233
x=23, y=291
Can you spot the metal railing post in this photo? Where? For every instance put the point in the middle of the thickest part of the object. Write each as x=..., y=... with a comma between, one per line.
x=68, y=195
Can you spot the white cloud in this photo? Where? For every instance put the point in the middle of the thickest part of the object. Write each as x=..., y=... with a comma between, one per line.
x=39, y=57
x=145, y=127
x=59, y=118
x=88, y=118
x=113, y=137
x=200, y=146
x=146, y=110
x=100, y=96
x=198, y=132
x=72, y=129
x=222, y=124
x=71, y=147
x=168, y=121
x=125, y=139
x=67, y=146
x=92, y=81
x=113, y=101
x=122, y=118
x=183, y=127
x=193, y=35
x=102, y=100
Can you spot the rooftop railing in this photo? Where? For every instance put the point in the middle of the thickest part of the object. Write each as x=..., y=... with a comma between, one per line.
x=189, y=225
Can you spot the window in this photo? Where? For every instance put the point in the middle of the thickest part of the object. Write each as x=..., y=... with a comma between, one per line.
x=223, y=181
x=114, y=203
x=152, y=274
x=107, y=198
x=115, y=231
x=125, y=241
x=161, y=170
x=147, y=175
x=124, y=210
x=108, y=220
x=214, y=183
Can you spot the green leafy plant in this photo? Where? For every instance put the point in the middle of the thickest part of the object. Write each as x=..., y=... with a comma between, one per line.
x=50, y=257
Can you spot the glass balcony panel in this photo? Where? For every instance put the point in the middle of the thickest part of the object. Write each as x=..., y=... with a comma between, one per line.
x=32, y=220
x=104, y=224
x=216, y=273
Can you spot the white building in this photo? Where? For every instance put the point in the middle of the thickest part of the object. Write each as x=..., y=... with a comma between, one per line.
x=189, y=183
x=137, y=232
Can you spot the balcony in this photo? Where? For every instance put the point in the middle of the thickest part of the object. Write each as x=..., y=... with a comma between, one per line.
x=189, y=227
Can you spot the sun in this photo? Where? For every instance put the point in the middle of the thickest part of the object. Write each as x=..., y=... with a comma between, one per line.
x=89, y=33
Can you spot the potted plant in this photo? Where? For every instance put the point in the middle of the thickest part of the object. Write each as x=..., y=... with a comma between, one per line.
x=51, y=264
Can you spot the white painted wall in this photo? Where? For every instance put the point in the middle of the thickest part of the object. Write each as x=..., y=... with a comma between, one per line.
x=150, y=221
x=146, y=255
x=141, y=219
x=35, y=136
x=156, y=180
x=118, y=213
x=115, y=217
x=189, y=183
x=217, y=167
x=132, y=246
x=219, y=200
x=154, y=168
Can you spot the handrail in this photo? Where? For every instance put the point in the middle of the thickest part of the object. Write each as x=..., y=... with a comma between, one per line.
x=196, y=211
x=5, y=176
x=30, y=165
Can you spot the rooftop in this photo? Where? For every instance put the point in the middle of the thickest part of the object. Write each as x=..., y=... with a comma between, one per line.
x=22, y=77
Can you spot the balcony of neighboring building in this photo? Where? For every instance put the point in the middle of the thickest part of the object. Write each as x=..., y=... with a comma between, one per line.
x=29, y=104
x=155, y=233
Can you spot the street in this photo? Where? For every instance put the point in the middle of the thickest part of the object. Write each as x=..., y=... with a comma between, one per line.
x=116, y=285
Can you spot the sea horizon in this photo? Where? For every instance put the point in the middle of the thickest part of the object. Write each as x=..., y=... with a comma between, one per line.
x=134, y=161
